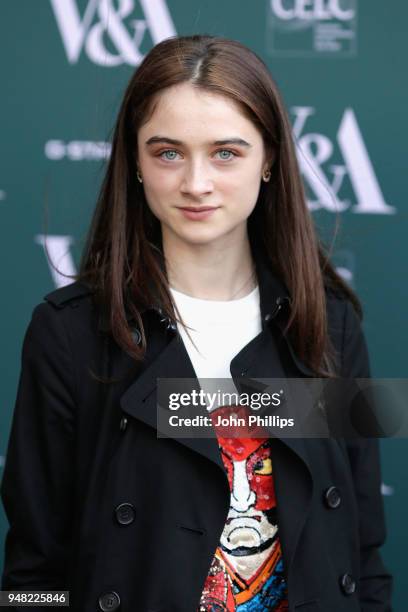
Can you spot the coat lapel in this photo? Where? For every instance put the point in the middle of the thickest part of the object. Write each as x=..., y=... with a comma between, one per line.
x=292, y=473
x=140, y=399
x=267, y=364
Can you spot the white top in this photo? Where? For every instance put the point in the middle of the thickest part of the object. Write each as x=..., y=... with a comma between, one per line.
x=219, y=329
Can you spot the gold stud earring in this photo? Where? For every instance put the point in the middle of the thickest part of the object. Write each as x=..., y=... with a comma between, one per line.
x=139, y=178
x=266, y=176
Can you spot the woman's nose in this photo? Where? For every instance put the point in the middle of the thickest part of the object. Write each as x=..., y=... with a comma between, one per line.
x=197, y=180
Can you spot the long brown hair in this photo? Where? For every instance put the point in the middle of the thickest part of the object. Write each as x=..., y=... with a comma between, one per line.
x=122, y=259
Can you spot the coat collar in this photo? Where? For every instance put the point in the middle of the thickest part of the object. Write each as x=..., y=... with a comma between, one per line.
x=275, y=302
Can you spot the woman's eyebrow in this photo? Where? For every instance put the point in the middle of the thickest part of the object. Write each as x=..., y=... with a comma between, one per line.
x=224, y=141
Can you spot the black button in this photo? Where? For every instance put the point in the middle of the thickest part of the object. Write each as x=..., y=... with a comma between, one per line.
x=171, y=325
x=125, y=513
x=123, y=423
x=332, y=497
x=109, y=601
x=348, y=584
x=137, y=336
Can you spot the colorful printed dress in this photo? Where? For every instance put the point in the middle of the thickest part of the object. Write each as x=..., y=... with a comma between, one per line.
x=246, y=574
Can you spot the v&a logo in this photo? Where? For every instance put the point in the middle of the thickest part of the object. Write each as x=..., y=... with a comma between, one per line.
x=104, y=19
x=315, y=150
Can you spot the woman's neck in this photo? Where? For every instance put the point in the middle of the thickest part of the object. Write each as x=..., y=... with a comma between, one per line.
x=209, y=272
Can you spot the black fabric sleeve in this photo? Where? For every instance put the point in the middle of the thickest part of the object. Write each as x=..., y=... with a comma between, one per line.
x=37, y=489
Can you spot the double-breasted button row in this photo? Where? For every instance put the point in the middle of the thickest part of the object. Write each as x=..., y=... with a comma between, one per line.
x=125, y=513
x=348, y=584
x=109, y=601
x=332, y=497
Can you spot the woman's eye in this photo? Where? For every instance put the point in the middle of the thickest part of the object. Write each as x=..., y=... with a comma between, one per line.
x=168, y=154
x=230, y=155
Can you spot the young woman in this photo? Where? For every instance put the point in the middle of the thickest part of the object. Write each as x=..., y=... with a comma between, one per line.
x=201, y=262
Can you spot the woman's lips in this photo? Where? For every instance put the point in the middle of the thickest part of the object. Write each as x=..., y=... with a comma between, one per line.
x=197, y=214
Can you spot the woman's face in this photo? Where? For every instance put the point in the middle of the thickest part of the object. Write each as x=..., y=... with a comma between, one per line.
x=198, y=150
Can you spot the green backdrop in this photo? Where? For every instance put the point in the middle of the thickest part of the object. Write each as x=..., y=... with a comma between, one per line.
x=341, y=66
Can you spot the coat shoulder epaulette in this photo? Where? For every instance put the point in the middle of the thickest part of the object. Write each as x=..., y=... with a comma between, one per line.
x=69, y=294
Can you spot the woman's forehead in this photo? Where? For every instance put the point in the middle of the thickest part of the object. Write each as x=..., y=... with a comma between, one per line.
x=187, y=108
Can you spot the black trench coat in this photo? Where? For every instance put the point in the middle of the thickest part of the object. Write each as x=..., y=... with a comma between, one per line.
x=99, y=506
